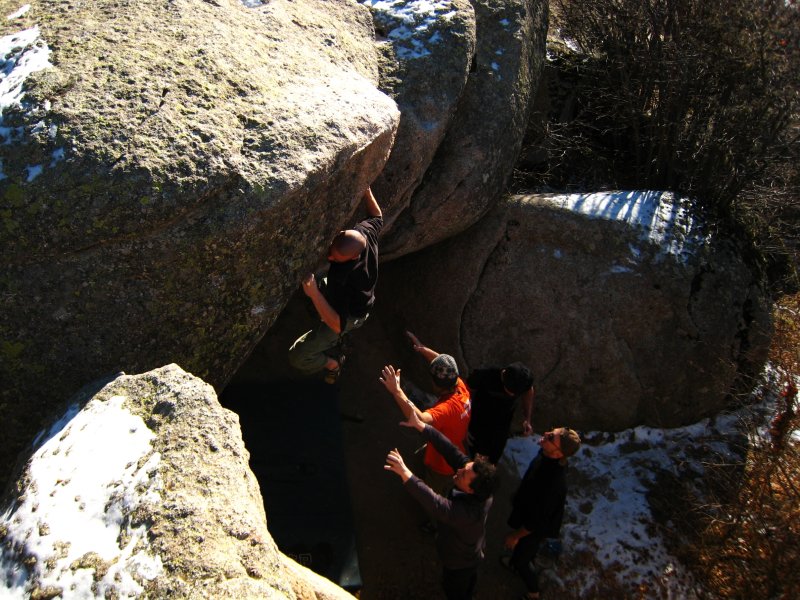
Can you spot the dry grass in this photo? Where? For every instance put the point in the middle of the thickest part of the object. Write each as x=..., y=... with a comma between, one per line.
x=741, y=539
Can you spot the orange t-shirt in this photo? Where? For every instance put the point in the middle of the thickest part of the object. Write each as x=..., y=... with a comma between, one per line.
x=451, y=417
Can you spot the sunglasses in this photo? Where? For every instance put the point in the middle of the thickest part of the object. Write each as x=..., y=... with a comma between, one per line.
x=550, y=436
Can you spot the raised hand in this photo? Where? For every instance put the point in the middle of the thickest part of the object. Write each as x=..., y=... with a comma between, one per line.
x=309, y=284
x=415, y=343
x=395, y=464
x=390, y=379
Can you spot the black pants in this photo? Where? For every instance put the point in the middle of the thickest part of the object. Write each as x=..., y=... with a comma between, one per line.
x=459, y=584
x=524, y=554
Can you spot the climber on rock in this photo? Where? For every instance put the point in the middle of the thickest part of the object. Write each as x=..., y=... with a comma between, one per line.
x=345, y=296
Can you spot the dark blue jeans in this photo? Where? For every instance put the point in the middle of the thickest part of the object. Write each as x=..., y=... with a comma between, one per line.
x=524, y=554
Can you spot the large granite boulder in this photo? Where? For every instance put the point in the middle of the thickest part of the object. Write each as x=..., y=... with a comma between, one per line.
x=464, y=106
x=145, y=491
x=627, y=311
x=169, y=172
x=427, y=49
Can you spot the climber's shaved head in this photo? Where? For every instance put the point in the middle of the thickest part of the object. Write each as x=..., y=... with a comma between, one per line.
x=347, y=245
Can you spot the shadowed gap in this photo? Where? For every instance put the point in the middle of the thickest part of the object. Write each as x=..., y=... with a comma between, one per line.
x=292, y=430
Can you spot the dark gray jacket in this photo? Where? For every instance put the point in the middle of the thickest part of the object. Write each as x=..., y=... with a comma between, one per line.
x=461, y=517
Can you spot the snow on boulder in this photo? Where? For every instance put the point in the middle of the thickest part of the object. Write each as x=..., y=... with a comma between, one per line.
x=144, y=491
x=168, y=173
x=428, y=48
x=471, y=165
x=627, y=310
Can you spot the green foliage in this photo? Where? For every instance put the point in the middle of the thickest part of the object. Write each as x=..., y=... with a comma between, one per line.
x=11, y=350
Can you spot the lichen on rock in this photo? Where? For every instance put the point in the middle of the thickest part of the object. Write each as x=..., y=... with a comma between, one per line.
x=164, y=514
x=176, y=169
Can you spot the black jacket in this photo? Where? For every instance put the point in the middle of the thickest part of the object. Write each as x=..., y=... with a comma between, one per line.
x=538, y=505
x=492, y=412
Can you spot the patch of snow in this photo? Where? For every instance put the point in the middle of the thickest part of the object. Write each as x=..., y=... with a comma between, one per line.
x=21, y=54
x=500, y=51
x=33, y=172
x=57, y=156
x=495, y=66
x=9, y=135
x=661, y=218
x=15, y=15
x=45, y=435
x=609, y=516
x=85, y=482
x=409, y=22
x=252, y=3
x=620, y=269
x=557, y=253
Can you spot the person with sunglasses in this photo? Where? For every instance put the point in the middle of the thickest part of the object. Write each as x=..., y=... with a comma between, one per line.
x=537, y=508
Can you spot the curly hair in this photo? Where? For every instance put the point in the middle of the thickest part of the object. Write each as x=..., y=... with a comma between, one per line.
x=486, y=478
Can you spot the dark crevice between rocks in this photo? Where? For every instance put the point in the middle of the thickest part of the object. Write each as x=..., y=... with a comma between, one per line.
x=292, y=428
x=502, y=237
x=292, y=431
x=696, y=285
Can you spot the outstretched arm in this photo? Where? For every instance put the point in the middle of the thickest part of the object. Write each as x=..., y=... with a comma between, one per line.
x=438, y=507
x=527, y=412
x=391, y=381
x=454, y=457
x=426, y=352
x=371, y=204
x=451, y=454
x=325, y=311
x=395, y=464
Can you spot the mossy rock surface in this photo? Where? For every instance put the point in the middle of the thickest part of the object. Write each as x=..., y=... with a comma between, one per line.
x=180, y=512
x=194, y=160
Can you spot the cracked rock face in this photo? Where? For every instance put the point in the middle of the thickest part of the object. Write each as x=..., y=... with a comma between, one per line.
x=145, y=491
x=627, y=313
x=170, y=170
x=462, y=73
